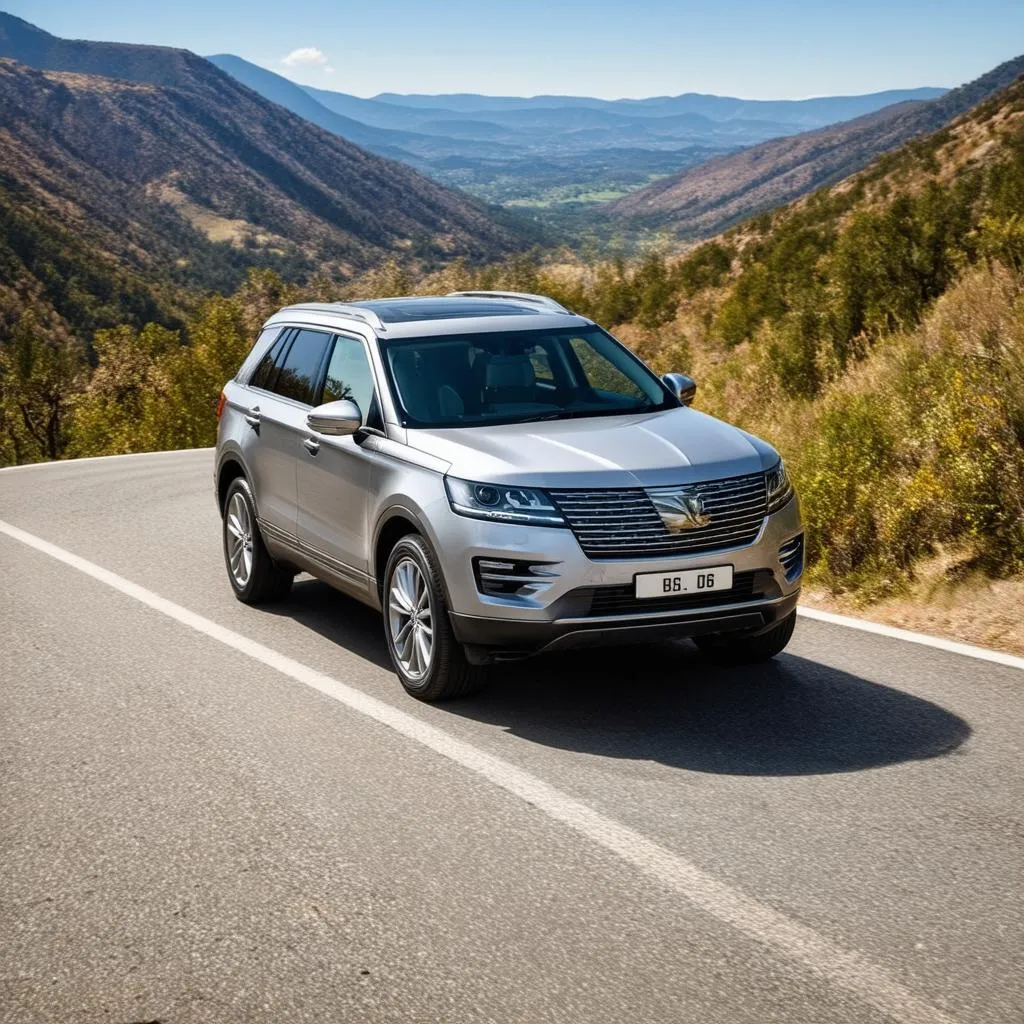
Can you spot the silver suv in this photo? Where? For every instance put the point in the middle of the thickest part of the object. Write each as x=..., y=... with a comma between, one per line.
x=500, y=477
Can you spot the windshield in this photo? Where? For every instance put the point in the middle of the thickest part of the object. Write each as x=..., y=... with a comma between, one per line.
x=518, y=376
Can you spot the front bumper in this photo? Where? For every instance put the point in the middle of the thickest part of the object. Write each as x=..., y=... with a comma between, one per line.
x=501, y=639
x=581, y=602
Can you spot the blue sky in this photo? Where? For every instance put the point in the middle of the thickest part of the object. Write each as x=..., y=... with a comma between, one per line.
x=785, y=49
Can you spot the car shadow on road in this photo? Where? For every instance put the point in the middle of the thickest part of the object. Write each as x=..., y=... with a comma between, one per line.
x=669, y=704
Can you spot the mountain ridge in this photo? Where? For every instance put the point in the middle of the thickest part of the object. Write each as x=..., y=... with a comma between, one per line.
x=278, y=142
x=839, y=107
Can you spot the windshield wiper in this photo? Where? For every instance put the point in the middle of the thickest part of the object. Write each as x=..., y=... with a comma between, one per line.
x=579, y=414
x=540, y=417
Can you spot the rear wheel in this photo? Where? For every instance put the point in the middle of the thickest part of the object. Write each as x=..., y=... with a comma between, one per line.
x=255, y=576
x=743, y=649
x=429, y=661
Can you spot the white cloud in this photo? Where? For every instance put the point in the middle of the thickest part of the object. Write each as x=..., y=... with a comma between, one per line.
x=328, y=71
x=305, y=56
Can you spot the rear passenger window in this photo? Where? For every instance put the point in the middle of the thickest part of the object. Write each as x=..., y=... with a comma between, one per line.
x=264, y=373
x=299, y=373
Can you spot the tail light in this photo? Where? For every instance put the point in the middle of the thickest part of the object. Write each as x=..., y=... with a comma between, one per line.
x=221, y=402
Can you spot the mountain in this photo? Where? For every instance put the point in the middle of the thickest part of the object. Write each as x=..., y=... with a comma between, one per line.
x=156, y=165
x=408, y=146
x=486, y=114
x=292, y=97
x=709, y=197
x=375, y=112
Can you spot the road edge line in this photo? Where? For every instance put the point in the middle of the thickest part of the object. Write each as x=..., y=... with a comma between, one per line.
x=102, y=458
x=909, y=636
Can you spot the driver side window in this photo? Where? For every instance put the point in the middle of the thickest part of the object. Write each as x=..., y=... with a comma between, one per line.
x=349, y=375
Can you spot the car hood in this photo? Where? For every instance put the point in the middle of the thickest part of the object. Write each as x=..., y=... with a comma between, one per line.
x=648, y=449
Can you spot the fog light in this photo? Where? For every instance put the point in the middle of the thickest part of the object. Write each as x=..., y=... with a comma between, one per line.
x=504, y=579
x=791, y=555
x=486, y=565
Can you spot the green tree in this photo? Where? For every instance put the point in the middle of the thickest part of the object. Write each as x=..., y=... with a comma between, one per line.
x=41, y=370
x=657, y=294
x=111, y=413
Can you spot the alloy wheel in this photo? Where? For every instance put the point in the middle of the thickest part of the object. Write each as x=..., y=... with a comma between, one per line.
x=410, y=619
x=238, y=524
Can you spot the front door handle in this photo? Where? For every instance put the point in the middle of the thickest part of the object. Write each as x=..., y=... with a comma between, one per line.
x=252, y=417
x=312, y=445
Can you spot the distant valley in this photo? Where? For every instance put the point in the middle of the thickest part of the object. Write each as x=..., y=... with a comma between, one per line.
x=548, y=151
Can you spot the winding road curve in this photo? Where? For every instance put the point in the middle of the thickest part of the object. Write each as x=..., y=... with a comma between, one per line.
x=215, y=813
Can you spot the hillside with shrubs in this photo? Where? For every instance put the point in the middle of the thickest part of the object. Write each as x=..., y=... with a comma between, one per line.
x=873, y=331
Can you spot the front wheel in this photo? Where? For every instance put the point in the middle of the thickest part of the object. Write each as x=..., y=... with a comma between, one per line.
x=740, y=649
x=430, y=662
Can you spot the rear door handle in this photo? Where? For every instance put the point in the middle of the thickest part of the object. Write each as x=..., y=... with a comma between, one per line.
x=312, y=445
x=252, y=417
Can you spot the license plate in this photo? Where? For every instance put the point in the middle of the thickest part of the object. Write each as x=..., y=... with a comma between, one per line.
x=688, y=581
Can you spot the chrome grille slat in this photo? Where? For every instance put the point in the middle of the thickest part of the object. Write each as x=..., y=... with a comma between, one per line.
x=743, y=501
x=623, y=523
x=600, y=517
x=633, y=541
x=660, y=532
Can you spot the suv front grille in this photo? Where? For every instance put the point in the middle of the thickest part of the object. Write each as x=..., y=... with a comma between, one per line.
x=623, y=522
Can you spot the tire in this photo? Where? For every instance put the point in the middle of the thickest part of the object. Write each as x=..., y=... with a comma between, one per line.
x=415, y=618
x=740, y=649
x=254, y=576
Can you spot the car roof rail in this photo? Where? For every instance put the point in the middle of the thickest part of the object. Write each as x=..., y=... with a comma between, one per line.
x=538, y=300
x=343, y=309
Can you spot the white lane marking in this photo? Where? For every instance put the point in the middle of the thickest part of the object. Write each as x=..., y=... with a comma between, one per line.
x=923, y=639
x=864, y=625
x=102, y=458
x=846, y=969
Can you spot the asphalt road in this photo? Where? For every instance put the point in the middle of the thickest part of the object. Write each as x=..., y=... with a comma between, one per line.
x=196, y=827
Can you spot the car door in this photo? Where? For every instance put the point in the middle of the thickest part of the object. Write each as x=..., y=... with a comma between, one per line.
x=335, y=473
x=281, y=391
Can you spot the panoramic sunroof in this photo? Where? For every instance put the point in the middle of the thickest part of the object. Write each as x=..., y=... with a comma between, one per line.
x=400, y=311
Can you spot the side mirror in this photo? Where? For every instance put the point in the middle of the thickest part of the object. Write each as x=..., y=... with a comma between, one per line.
x=335, y=419
x=683, y=387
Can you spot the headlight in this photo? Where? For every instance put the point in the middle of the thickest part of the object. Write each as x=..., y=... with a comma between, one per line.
x=502, y=502
x=780, y=490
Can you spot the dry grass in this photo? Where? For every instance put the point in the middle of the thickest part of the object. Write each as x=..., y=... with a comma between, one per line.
x=215, y=227
x=976, y=610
